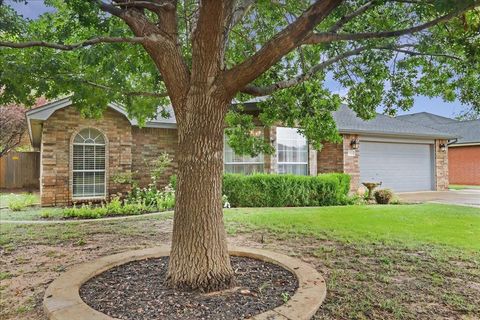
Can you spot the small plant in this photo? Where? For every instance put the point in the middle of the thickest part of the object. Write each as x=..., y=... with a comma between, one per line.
x=285, y=297
x=18, y=202
x=45, y=214
x=262, y=287
x=225, y=202
x=383, y=196
x=16, y=205
x=123, y=178
x=158, y=166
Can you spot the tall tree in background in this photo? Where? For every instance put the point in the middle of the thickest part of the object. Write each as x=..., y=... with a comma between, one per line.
x=13, y=126
x=199, y=55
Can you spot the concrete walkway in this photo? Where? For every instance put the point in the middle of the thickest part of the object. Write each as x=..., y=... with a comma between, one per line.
x=466, y=197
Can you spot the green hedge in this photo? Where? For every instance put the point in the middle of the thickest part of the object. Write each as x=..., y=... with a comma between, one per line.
x=279, y=190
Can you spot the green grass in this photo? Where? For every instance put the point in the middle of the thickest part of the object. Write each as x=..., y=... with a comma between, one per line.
x=18, y=201
x=409, y=225
x=462, y=187
x=31, y=213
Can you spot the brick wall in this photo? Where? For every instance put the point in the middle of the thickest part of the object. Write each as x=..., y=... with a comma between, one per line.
x=148, y=144
x=58, y=130
x=464, y=165
x=340, y=157
x=330, y=158
x=441, y=166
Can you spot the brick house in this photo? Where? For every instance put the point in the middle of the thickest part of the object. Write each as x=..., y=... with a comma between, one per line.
x=463, y=152
x=80, y=157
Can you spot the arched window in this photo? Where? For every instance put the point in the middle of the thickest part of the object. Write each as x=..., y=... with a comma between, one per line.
x=89, y=164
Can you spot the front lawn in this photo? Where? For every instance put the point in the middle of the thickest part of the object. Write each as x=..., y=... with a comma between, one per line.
x=406, y=224
x=462, y=187
x=379, y=262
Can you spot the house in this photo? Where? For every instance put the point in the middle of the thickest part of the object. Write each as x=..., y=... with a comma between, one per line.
x=463, y=152
x=80, y=157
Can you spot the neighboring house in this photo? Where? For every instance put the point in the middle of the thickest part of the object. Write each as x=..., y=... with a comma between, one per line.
x=79, y=157
x=464, y=152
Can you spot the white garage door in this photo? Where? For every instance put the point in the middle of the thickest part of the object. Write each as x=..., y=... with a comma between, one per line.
x=399, y=166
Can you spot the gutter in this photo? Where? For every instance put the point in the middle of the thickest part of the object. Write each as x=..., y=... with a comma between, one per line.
x=452, y=142
x=395, y=134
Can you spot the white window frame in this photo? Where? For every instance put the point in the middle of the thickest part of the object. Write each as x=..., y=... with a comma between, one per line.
x=105, y=170
x=290, y=162
x=225, y=163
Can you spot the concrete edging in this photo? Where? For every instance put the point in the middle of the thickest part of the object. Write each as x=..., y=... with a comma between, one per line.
x=62, y=299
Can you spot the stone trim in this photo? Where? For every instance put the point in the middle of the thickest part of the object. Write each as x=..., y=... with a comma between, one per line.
x=440, y=166
x=62, y=299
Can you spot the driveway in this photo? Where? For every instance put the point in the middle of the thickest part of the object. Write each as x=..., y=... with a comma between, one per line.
x=467, y=197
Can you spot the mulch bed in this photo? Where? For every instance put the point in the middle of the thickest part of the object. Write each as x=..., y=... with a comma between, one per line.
x=136, y=290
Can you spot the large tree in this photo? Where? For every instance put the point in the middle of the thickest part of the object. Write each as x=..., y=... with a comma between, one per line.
x=200, y=55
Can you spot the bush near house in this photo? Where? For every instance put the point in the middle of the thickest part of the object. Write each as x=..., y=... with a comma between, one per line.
x=283, y=190
x=272, y=190
x=383, y=196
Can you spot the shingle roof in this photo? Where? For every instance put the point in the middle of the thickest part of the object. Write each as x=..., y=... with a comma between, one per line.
x=348, y=122
x=426, y=118
x=467, y=132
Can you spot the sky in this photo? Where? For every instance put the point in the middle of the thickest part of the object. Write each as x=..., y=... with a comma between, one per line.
x=34, y=8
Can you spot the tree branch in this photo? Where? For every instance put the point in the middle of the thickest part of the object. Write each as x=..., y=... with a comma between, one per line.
x=345, y=19
x=68, y=47
x=240, y=10
x=146, y=4
x=267, y=90
x=284, y=42
x=326, y=37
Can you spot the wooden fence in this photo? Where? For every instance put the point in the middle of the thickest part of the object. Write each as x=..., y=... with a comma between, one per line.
x=20, y=170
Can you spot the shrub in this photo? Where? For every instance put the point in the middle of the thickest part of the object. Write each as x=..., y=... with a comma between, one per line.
x=18, y=202
x=273, y=190
x=152, y=197
x=85, y=212
x=281, y=190
x=16, y=205
x=383, y=196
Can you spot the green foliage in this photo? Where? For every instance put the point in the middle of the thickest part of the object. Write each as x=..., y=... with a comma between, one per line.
x=152, y=197
x=442, y=61
x=18, y=202
x=123, y=178
x=383, y=196
x=141, y=202
x=158, y=166
x=243, y=135
x=85, y=211
x=271, y=190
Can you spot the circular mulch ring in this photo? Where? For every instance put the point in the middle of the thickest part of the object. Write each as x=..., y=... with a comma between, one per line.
x=136, y=291
x=129, y=286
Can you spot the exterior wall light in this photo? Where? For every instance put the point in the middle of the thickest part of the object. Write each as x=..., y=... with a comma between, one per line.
x=443, y=147
x=355, y=144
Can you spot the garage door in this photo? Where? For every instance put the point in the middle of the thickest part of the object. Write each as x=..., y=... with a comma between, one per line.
x=399, y=166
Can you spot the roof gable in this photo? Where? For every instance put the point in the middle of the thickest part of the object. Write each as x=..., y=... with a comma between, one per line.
x=44, y=112
x=467, y=132
x=426, y=118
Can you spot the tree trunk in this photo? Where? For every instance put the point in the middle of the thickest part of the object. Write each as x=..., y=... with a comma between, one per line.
x=199, y=257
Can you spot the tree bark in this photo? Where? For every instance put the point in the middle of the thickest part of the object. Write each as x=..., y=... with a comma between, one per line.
x=199, y=257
